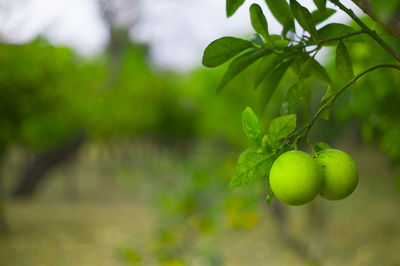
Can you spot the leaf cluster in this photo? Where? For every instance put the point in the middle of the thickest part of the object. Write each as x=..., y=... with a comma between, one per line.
x=255, y=162
x=275, y=54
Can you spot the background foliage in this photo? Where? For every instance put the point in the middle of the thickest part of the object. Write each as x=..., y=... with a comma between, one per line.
x=150, y=184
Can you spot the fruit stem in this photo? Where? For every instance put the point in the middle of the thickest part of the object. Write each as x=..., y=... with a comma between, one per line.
x=311, y=146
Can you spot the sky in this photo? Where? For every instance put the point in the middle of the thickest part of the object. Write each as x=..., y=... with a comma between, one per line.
x=177, y=30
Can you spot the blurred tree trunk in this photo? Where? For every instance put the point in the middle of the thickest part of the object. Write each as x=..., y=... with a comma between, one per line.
x=118, y=29
x=119, y=39
x=3, y=221
x=311, y=250
x=392, y=24
x=119, y=17
x=35, y=171
x=316, y=227
x=281, y=219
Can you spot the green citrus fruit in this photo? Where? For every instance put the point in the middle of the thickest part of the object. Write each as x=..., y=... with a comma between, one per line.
x=295, y=178
x=340, y=174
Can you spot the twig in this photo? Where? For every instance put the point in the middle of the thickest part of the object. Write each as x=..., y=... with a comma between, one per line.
x=306, y=128
x=367, y=30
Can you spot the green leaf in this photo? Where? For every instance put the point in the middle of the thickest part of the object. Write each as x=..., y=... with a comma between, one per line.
x=306, y=65
x=259, y=22
x=321, y=146
x=277, y=41
x=232, y=6
x=335, y=30
x=297, y=65
x=326, y=101
x=298, y=93
x=281, y=127
x=271, y=194
x=239, y=64
x=252, y=126
x=266, y=143
x=322, y=15
x=223, y=49
x=270, y=198
x=252, y=165
x=303, y=16
x=319, y=71
x=281, y=11
x=327, y=97
x=271, y=83
x=267, y=64
x=257, y=40
x=344, y=65
x=321, y=4
x=305, y=107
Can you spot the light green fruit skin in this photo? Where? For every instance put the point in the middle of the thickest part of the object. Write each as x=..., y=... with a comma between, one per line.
x=295, y=178
x=340, y=174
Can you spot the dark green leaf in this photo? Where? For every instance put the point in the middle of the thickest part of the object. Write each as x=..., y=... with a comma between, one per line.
x=259, y=22
x=240, y=64
x=297, y=65
x=270, y=198
x=321, y=146
x=277, y=41
x=321, y=15
x=298, y=93
x=267, y=64
x=327, y=97
x=344, y=65
x=252, y=126
x=335, y=30
x=321, y=4
x=306, y=67
x=303, y=16
x=271, y=194
x=271, y=83
x=326, y=100
x=305, y=106
x=266, y=143
x=281, y=127
x=223, y=49
x=319, y=71
x=281, y=11
x=232, y=6
x=253, y=164
x=257, y=40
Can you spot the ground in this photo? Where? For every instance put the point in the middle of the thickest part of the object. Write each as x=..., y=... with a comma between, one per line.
x=107, y=221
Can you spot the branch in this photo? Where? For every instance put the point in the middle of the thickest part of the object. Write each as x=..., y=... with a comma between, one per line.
x=367, y=30
x=334, y=96
x=392, y=25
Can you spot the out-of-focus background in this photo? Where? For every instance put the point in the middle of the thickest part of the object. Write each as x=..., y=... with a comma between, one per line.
x=116, y=150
